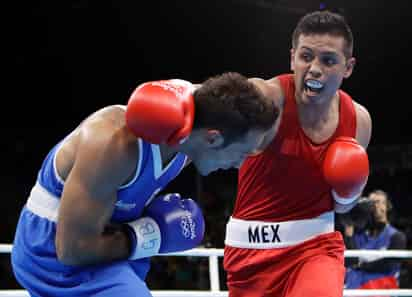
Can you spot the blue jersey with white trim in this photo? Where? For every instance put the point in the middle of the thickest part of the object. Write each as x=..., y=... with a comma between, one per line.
x=34, y=257
x=150, y=178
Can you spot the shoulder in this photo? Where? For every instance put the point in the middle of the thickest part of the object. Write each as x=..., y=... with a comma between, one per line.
x=363, y=124
x=104, y=124
x=100, y=153
x=396, y=230
x=398, y=238
x=361, y=112
x=105, y=134
x=101, y=128
x=271, y=88
x=109, y=125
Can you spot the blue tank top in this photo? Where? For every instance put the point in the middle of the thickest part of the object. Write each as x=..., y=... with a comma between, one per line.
x=356, y=278
x=381, y=242
x=34, y=258
x=150, y=178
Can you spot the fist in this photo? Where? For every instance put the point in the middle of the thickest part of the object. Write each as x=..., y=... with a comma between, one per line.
x=169, y=224
x=181, y=222
x=346, y=169
x=161, y=111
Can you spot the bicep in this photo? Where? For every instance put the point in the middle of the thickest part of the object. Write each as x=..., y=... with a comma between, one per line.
x=84, y=211
x=363, y=125
x=90, y=190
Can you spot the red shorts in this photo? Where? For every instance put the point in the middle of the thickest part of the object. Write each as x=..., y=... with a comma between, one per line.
x=314, y=268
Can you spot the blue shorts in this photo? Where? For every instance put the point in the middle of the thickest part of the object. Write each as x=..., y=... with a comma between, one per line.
x=37, y=269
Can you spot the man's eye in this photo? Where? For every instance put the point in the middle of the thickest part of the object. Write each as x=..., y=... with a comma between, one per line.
x=306, y=57
x=329, y=61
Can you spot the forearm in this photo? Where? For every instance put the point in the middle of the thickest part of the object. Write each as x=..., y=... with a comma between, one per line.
x=113, y=244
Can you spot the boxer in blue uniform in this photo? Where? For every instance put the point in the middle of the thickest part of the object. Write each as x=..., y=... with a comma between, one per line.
x=94, y=217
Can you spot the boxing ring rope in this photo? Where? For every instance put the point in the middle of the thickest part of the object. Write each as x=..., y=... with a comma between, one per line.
x=214, y=254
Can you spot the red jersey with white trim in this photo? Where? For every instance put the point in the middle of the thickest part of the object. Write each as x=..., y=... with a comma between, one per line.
x=285, y=182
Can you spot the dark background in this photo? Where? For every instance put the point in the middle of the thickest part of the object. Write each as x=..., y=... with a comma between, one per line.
x=65, y=59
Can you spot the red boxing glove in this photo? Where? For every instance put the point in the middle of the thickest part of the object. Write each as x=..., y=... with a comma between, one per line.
x=161, y=111
x=346, y=169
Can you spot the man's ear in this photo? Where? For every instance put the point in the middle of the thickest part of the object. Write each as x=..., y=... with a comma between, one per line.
x=350, y=64
x=213, y=138
x=292, y=59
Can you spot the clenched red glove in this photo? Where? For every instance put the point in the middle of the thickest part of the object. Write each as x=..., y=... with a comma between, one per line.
x=161, y=111
x=346, y=169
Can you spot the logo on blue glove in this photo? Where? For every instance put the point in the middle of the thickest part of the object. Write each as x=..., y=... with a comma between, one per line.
x=188, y=226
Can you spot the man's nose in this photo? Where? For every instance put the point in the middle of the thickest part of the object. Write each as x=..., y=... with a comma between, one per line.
x=315, y=69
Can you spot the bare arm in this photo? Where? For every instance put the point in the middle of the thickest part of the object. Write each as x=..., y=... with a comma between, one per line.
x=364, y=125
x=272, y=89
x=363, y=136
x=102, y=164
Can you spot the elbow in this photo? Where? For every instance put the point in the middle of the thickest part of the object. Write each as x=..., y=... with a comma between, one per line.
x=67, y=260
x=67, y=253
x=64, y=255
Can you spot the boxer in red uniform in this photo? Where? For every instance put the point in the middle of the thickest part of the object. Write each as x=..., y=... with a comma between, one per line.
x=280, y=240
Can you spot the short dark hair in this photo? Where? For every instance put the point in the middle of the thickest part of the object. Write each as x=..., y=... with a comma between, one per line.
x=324, y=22
x=232, y=104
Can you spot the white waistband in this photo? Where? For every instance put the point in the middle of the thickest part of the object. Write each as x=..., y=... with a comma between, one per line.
x=43, y=203
x=268, y=235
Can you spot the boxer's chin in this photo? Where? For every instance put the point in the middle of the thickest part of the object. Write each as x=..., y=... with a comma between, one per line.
x=311, y=94
x=309, y=97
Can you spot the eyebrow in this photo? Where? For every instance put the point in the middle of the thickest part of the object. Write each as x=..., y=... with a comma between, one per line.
x=323, y=53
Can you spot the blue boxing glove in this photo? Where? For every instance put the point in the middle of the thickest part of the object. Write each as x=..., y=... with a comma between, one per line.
x=170, y=224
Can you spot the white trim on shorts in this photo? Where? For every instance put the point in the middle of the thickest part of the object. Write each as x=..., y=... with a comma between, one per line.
x=269, y=235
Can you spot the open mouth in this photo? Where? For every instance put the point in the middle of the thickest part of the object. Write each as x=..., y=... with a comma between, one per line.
x=313, y=86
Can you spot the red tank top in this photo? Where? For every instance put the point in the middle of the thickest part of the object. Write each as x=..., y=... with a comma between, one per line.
x=285, y=182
